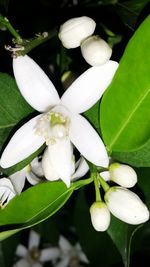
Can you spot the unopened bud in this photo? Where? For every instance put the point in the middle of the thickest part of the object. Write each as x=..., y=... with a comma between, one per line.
x=95, y=51
x=73, y=31
x=123, y=175
x=126, y=205
x=100, y=216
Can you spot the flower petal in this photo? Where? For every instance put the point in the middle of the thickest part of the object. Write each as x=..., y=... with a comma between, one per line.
x=87, y=141
x=23, y=143
x=49, y=172
x=48, y=254
x=63, y=263
x=65, y=245
x=82, y=169
x=36, y=167
x=18, y=180
x=89, y=87
x=22, y=263
x=21, y=251
x=61, y=156
x=34, y=239
x=34, y=84
x=32, y=178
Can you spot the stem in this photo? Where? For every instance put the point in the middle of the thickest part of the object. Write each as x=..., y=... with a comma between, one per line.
x=103, y=183
x=11, y=29
x=97, y=191
x=39, y=39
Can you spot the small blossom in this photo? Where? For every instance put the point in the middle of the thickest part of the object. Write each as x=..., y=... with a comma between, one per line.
x=100, y=216
x=126, y=205
x=33, y=256
x=7, y=191
x=70, y=255
x=73, y=31
x=123, y=175
x=60, y=125
x=95, y=50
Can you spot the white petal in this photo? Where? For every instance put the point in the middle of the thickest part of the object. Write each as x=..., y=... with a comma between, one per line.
x=18, y=180
x=87, y=141
x=81, y=254
x=60, y=155
x=48, y=254
x=37, y=264
x=6, y=183
x=100, y=216
x=23, y=263
x=32, y=178
x=34, y=84
x=21, y=251
x=34, y=239
x=36, y=167
x=64, y=245
x=63, y=263
x=126, y=205
x=105, y=175
x=89, y=87
x=23, y=143
x=49, y=171
x=82, y=169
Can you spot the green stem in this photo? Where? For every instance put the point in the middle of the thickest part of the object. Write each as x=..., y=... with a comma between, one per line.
x=39, y=39
x=11, y=29
x=97, y=190
x=104, y=185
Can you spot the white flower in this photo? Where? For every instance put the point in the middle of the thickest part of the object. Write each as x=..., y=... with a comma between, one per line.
x=7, y=191
x=126, y=205
x=70, y=255
x=61, y=122
x=95, y=50
x=33, y=256
x=77, y=170
x=33, y=173
x=73, y=31
x=100, y=216
x=123, y=175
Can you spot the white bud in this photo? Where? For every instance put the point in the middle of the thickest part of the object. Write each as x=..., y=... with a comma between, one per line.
x=123, y=175
x=105, y=175
x=95, y=51
x=73, y=31
x=100, y=216
x=126, y=205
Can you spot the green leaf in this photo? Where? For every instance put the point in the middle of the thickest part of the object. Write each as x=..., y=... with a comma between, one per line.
x=93, y=116
x=137, y=158
x=130, y=10
x=98, y=247
x=122, y=234
x=124, y=113
x=13, y=107
x=33, y=206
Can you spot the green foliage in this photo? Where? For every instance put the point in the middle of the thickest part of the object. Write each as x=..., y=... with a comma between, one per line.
x=124, y=114
x=33, y=206
x=13, y=107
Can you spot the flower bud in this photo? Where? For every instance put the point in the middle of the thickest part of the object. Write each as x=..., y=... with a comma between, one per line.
x=73, y=31
x=105, y=175
x=123, y=175
x=126, y=205
x=95, y=51
x=100, y=216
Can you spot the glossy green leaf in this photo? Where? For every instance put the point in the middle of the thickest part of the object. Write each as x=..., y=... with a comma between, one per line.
x=33, y=206
x=13, y=107
x=93, y=115
x=122, y=234
x=125, y=109
x=137, y=158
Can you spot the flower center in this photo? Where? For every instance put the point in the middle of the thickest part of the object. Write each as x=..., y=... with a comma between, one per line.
x=34, y=254
x=53, y=126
